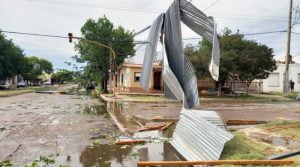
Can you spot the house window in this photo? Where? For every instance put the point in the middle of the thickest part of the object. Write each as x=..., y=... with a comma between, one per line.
x=273, y=80
x=298, y=77
x=137, y=76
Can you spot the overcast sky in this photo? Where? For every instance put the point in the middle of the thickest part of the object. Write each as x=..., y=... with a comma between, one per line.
x=62, y=16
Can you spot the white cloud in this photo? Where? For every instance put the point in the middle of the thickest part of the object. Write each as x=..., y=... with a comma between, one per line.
x=28, y=16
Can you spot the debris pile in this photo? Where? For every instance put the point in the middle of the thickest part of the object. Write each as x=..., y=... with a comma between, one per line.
x=199, y=135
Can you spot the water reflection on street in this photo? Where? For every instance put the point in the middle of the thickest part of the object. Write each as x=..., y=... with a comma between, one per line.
x=111, y=155
x=122, y=156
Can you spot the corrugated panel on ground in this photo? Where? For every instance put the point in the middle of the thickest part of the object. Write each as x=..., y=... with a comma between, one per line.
x=210, y=116
x=200, y=136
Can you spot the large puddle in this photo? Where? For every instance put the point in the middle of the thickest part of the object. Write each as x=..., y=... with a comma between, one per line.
x=120, y=156
x=280, y=141
x=111, y=155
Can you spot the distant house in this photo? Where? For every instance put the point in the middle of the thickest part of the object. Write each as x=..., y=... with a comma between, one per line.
x=274, y=83
x=129, y=75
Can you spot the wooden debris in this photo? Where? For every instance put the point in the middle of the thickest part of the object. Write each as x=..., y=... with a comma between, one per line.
x=217, y=162
x=244, y=122
x=128, y=142
x=278, y=128
x=166, y=126
x=151, y=128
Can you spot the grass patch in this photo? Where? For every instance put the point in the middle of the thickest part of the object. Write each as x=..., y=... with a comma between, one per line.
x=241, y=147
x=290, y=130
x=293, y=95
x=240, y=97
x=19, y=91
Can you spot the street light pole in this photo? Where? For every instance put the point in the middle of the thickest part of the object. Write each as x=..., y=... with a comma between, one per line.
x=287, y=56
x=112, y=56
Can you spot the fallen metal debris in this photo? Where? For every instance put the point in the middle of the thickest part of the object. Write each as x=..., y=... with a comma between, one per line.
x=284, y=155
x=180, y=70
x=200, y=136
x=213, y=163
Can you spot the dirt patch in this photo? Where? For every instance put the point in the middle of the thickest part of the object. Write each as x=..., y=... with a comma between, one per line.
x=42, y=124
x=281, y=143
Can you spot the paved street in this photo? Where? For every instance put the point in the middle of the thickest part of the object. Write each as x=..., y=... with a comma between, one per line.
x=34, y=125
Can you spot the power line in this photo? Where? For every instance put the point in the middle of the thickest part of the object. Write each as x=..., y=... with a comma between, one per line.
x=263, y=33
x=63, y=37
x=211, y=5
x=80, y=4
x=138, y=42
x=34, y=34
x=142, y=10
x=246, y=15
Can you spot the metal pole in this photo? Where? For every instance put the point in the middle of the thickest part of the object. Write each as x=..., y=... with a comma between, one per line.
x=287, y=60
x=112, y=56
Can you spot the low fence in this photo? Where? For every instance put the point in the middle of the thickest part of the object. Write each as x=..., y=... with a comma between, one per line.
x=238, y=86
x=231, y=86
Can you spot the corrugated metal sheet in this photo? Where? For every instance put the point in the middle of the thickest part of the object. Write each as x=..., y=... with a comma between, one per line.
x=150, y=51
x=200, y=135
x=171, y=81
x=178, y=63
x=204, y=26
x=210, y=116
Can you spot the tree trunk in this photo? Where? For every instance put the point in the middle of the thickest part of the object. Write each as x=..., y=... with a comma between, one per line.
x=248, y=83
x=219, y=88
x=104, y=85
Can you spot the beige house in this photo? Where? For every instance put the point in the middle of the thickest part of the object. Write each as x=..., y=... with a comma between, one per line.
x=129, y=76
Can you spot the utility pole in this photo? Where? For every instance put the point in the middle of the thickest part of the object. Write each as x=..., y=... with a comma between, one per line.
x=287, y=56
x=110, y=71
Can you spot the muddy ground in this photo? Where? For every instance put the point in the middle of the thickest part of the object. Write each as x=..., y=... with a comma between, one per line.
x=34, y=125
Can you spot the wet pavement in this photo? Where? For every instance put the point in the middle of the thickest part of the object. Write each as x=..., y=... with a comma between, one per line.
x=34, y=125
x=229, y=110
x=110, y=155
x=80, y=131
x=76, y=129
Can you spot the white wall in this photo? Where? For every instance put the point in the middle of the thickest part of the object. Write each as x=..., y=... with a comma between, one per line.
x=275, y=81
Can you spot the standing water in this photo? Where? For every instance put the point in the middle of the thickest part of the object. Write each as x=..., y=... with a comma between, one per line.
x=111, y=155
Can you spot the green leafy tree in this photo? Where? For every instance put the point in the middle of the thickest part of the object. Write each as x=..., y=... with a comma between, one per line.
x=255, y=63
x=199, y=59
x=12, y=61
x=240, y=57
x=35, y=67
x=63, y=75
x=97, y=58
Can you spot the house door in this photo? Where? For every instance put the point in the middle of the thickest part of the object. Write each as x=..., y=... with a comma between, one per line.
x=157, y=80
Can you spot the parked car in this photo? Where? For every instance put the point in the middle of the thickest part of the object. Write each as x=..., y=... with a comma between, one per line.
x=4, y=85
x=21, y=85
x=37, y=84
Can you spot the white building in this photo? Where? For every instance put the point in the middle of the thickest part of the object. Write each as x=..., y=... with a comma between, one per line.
x=274, y=83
